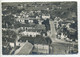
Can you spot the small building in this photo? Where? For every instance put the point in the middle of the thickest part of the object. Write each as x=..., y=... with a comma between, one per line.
x=46, y=17
x=11, y=44
x=20, y=6
x=62, y=36
x=24, y=20
x=30, y=21
x=21, y=20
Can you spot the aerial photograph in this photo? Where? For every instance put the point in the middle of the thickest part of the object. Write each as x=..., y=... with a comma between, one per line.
x=39, y=28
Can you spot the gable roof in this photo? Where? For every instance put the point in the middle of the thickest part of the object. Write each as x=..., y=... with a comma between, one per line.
x=26, y=49
x=34, y=40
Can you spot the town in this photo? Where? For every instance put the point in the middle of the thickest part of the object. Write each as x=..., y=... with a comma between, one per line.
x=39, y=28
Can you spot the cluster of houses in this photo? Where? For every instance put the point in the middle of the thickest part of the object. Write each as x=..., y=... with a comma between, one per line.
x=31, y=27
x=60, y=24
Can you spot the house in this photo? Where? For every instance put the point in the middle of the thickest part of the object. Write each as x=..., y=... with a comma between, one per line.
x=76, y=40
x=14, y=15
x=46, y=16
x=37, y=17
x=30, y=21
x=33, y=34
x=40, y=22
x=68, y=25
x=62, y=36
x=11, y=44
x=56, y=23
x=32, y=27
x=71, y=30
x=26, y=19
x=20, y=6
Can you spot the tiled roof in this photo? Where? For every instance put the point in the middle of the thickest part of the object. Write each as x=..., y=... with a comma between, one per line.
x=35, y=40
x=40, y=27
x=26, y=49
x=36, y=26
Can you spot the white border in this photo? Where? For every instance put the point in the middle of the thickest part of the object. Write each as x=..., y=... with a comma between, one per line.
x=34, y=0
x=78, y=12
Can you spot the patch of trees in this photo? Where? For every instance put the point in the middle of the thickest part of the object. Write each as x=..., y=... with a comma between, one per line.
x=9, y=36
x=46, y=23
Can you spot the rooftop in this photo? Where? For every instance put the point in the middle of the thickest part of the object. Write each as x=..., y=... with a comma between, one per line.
x=34, y=40
x=27, y=18
x=26, y=49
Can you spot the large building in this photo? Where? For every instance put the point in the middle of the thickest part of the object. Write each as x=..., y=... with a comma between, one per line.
x=25, y=49
x=30, y=34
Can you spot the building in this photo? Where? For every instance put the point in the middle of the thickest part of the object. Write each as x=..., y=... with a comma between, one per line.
x=32, y=34
x=39, y=43
x=56, y=21
x=40, y=46
x=46, y=16
x=27, y=19
x=32, y=27
x=25, y=49
x=43, y=49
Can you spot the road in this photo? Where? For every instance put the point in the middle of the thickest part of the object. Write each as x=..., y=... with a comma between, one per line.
x=53, y=31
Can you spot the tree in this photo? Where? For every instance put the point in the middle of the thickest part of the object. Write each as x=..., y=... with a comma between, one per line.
x=11, y=36
x=8, y=21
x=46, y=23
x=48, y=40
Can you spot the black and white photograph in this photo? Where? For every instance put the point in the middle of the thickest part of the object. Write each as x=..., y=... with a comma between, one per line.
x=39, y=28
